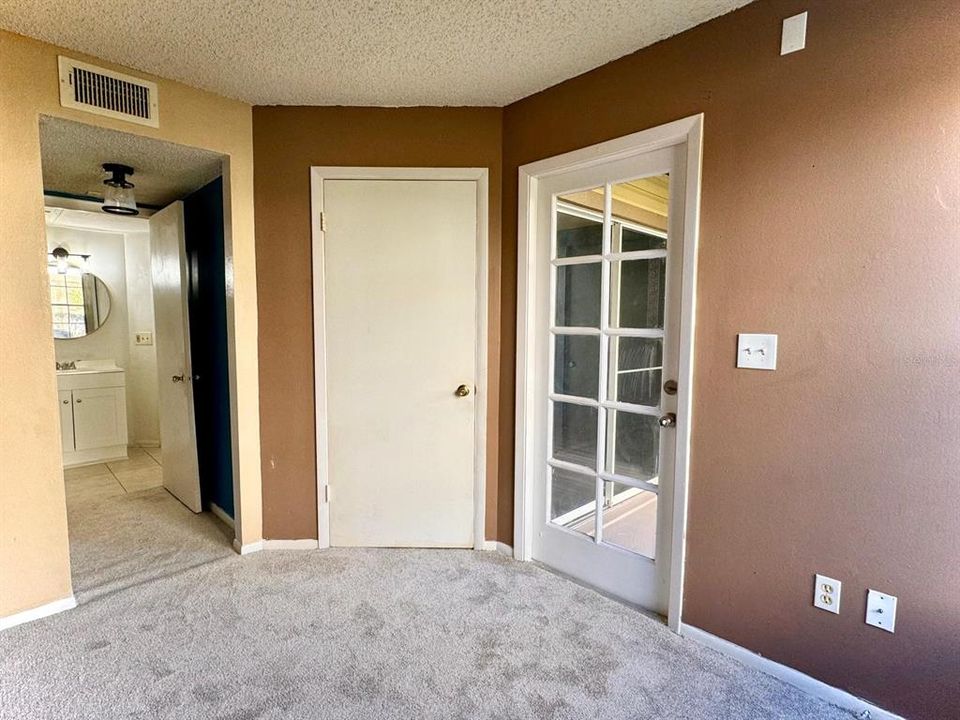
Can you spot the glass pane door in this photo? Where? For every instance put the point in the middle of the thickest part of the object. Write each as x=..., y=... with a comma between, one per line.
x=609, y=314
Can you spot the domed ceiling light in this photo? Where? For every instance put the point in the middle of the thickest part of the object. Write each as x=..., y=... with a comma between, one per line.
x=118, y=198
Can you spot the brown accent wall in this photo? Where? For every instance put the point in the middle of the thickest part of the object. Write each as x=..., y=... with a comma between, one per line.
x=830, y=215
x=831, y=188
x=287, y=142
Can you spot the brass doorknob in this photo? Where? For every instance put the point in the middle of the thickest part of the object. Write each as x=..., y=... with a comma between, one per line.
x=462, y=391
x=668, y=420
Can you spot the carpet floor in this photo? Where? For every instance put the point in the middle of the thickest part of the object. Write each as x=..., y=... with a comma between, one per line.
x=172, y=624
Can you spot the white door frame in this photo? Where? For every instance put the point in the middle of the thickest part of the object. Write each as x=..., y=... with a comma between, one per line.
x=688, y=131
x=476, y=175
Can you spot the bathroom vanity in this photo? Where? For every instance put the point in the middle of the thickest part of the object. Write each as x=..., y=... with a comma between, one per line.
x=93, y=413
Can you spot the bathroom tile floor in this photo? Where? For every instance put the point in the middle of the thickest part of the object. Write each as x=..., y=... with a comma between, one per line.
x=92, y=483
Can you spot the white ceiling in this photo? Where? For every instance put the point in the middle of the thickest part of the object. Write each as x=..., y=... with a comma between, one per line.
x=348, y=52
x=93, y=220
x=71, y=155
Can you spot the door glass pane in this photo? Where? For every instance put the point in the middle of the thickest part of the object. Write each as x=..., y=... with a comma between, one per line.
x=627, y=239
x=630, y=518
x=573, y=500
x=640, y=212
x=580, y=223
x=578, y=295
x=637, y=293
x=575, y=434
x=577, y=365
x=636, y=370
x=633, y=445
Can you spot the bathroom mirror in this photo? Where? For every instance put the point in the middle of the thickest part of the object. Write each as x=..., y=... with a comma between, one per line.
x=80, y=303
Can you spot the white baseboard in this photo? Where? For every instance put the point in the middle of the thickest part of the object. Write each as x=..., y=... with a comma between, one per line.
x=305, y=544
x=221, y=515
x=799, y=680
x=81, y=458
x=67, y=603
x=498, y=547
x=248, y=548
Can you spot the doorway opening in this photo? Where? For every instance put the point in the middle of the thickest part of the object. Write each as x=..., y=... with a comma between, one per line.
x=607, y=276
x=144, y=349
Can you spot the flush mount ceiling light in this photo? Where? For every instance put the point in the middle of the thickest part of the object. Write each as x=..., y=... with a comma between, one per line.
x=118, y=198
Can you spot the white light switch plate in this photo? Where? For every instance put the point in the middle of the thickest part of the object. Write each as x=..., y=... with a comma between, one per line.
x=144, y=338
x=881, y=610
x=826, y=594
x=758, y=352
x=794, y=34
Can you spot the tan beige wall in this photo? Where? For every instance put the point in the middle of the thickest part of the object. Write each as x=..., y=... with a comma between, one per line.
x=287, y=142
x=34, y=553
x=830, y=215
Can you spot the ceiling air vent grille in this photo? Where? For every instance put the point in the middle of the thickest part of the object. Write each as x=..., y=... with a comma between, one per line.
x=104, y=92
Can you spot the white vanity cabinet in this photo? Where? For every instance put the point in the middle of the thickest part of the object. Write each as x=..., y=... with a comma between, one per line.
x=93, y=416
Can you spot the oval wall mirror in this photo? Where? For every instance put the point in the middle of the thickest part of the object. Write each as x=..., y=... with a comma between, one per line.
x=80, y=303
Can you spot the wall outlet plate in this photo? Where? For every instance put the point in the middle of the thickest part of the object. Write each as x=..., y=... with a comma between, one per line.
x=144, y=338
x=826, y=594
x=757, y=351
x=794, y=34
x=881, y=610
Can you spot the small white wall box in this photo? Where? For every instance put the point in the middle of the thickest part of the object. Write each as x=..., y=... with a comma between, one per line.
x=756, y=351
x=826, y=594
x=794, y=34
x=881, y=610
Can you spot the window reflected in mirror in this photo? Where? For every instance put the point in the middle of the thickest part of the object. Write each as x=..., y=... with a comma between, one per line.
x=80, y=302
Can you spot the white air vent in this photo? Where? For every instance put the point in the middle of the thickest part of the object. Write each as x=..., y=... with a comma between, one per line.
x=104, y=92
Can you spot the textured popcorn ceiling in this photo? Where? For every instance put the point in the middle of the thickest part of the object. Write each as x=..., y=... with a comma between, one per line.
x=321, y=52
x=72, y=153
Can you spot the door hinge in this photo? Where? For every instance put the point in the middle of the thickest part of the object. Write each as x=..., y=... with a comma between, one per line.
x=326, y=493
x=323, y=222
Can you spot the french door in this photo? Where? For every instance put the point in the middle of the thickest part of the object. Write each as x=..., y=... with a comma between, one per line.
x=610, y=238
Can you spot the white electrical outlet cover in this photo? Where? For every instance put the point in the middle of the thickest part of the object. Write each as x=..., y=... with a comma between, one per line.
x=881, y=610
x=794, y=34
x=757, y=351
x=826, y=594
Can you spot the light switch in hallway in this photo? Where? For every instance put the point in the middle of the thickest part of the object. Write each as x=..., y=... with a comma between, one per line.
x=757, y=352
x=144, y=338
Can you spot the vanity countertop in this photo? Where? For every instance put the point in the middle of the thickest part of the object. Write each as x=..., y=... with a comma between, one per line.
x=91, y=374
x=90, y=371
x=86, y=367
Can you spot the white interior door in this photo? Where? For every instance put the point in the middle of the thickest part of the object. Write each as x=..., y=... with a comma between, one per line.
x=399, y=275
x=178, y=433
x=607, y=352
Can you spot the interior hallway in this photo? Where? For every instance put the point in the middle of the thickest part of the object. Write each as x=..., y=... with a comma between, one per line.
x=172, y=624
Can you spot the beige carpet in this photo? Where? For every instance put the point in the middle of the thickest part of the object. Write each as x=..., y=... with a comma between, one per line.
x=173, y=624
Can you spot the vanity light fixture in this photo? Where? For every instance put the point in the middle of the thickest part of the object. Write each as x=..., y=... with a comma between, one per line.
x=60, y=258
x=118, y=198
